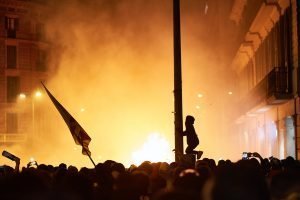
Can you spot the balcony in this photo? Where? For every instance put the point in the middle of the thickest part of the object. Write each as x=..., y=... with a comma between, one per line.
x=273, y=89
x=12, y=138
x=279, y=88
x=11, y=33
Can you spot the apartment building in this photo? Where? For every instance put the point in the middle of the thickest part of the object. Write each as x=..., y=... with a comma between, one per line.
x=23, y=64
x=267, y=110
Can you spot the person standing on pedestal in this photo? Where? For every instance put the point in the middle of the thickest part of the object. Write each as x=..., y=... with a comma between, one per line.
x=192, y=138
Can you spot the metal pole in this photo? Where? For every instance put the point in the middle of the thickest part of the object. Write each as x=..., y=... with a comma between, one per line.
x=89, y=156
x=33, y=117
x=87, y=153
x=177, y=81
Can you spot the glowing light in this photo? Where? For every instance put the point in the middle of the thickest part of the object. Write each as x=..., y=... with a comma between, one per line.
x=38, y=94
x=263, y=109
x=99, y=158
x=82, y=110
x=230, y=93
x=197, y=107
x=189, y=171
x=95, y=184
x=22, y=96
x=206, y=9
x=32, y=159
x=200, y=95
x=155, y=149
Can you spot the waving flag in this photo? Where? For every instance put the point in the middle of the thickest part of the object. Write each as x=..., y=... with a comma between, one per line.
x=78, y=133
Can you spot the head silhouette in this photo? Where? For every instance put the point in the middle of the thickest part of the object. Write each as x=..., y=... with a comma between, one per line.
x=189, y=119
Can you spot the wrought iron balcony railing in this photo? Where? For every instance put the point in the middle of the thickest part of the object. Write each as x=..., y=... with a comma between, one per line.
x=12, y=138
x=279, y=82
x=274, y=88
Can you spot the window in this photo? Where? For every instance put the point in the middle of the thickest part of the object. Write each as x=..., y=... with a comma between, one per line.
x=11, y=25
x=40, y=31
x=11, y=52
x=13, y=87
x=41, y=60
x=11, y=122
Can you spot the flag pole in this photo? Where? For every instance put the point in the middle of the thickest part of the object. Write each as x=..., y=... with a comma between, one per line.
x=87, y=153
x=92, y=160
x=89, y=156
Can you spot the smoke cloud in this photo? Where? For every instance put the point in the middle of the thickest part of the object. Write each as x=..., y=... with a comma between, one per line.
x=112, y=63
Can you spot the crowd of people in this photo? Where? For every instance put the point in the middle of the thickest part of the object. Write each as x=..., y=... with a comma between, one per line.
x=254, y=178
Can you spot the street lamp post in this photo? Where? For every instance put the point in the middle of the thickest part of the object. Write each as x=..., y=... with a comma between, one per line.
x=36, y=95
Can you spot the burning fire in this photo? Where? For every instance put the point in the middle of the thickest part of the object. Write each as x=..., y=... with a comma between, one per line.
x=155, y=149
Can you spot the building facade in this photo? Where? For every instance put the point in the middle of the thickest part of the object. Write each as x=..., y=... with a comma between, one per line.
x=267, y=110
x=23, y=65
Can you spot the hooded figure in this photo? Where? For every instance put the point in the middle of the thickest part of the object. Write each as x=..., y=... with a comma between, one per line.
x=191, y=135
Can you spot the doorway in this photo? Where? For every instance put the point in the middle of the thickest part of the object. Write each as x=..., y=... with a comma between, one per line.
x=290, y=137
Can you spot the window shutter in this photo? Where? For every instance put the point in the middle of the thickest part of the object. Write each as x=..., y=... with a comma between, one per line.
x=6, y=22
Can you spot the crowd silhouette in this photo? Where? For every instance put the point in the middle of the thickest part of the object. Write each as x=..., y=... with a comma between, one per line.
x=252, y=178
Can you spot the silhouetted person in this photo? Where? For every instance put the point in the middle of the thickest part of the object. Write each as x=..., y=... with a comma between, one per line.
x=191, y=135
